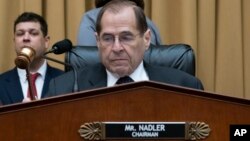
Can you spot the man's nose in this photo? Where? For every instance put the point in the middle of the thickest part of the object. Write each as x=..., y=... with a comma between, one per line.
x=26, y=37
x=117, y=46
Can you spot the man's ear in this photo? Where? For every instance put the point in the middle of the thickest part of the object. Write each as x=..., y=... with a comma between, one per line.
x=97, y=39
x=147, y=38
x=47, y=39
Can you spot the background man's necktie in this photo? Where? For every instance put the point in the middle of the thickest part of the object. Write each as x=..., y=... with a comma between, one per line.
x=125, y=79
x=33, y=78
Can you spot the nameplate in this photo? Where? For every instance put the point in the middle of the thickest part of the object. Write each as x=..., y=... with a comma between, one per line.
x=144, y=130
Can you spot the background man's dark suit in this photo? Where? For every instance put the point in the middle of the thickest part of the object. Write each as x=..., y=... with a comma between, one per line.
x=95, y=77
x=10, y=86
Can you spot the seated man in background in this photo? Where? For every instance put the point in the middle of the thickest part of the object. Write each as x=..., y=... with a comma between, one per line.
x=86, y=34
x=122, y=38
x=30, y=29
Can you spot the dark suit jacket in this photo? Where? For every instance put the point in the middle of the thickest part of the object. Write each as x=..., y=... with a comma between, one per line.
x=10, y=86
x=96, y=77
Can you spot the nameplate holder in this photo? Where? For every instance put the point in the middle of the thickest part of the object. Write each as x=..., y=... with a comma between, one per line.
x=144, y=130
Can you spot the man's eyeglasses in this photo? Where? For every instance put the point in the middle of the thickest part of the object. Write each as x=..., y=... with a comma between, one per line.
x=124, y=39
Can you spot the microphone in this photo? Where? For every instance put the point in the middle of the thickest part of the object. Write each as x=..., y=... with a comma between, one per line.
x=61, y=47
x=25, y=57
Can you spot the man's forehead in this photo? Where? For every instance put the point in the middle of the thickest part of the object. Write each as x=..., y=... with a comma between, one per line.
x=125, y=32
x=116, y=30
x=27, y=23
x=33, y=25
x=125, y=17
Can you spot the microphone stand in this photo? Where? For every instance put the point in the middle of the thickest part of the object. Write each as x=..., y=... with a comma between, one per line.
x=57, y=61
x=31, y=89
x=75, y=89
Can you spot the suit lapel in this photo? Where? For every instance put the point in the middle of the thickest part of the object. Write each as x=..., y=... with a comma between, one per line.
x=152, y=72
x=149, y=71
x=13, y=87
x=95, y=77
x=50, y=74
x=46, y=82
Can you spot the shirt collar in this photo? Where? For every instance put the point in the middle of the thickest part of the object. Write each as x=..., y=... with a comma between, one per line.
x=139, y=74
x=41, y=71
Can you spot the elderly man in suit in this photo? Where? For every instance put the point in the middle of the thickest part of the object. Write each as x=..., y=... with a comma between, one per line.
x=122, y=38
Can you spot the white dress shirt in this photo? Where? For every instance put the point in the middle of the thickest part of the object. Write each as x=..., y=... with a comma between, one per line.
x=39, y=81
x=139, y=74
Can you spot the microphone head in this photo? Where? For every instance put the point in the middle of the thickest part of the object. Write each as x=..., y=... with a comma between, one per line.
x=62, y=46
x=25, y=57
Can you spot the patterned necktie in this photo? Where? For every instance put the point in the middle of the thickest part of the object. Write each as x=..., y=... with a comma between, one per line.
x=125, y=79
x=33, y=78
